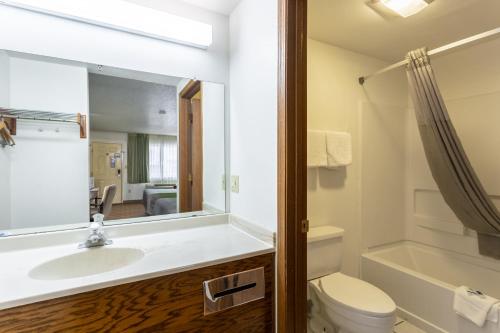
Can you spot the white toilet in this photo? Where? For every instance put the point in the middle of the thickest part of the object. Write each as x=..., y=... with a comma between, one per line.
x=339, y=303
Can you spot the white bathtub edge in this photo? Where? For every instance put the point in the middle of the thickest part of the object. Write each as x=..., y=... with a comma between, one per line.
x=374, y=257
x=418, y=322
x=419, y=295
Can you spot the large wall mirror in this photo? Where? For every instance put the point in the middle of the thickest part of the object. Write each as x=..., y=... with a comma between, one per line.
x=80, y=139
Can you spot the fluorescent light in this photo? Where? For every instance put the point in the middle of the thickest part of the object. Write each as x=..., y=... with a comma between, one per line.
x=124, y=16
x=405, y=8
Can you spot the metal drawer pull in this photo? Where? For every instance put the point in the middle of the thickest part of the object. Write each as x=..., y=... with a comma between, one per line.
x=233, y=290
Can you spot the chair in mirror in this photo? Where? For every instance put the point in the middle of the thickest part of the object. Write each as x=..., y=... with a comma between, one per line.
x=82, y=139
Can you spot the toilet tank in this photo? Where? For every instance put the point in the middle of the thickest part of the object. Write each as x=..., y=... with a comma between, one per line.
x=324, y=255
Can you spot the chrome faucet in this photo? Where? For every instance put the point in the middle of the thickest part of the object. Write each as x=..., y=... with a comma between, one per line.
x=97, y=236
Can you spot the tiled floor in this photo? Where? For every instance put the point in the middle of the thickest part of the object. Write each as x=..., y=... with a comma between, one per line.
x=126, y=211
x=405, y=327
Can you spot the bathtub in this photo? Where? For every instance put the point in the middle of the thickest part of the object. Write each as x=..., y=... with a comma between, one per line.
x=421, y=280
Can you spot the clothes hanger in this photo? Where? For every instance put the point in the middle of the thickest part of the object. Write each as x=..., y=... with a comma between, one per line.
x=5, y=133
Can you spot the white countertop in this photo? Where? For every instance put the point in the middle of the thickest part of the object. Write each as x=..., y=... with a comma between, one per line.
x=169, y=247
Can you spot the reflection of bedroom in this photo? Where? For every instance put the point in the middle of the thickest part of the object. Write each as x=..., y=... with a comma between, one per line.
x=172, y=169
x=133, y=145
x=123, y=113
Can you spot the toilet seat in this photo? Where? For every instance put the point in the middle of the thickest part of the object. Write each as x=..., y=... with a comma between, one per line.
x=354, y=295
x=355, y=305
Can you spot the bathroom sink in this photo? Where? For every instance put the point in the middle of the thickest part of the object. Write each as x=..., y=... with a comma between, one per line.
x=88, y=262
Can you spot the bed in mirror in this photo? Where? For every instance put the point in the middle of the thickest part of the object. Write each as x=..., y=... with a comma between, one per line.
x=86, y=139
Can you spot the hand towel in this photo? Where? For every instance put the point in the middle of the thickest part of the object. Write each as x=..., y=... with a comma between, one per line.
x=474, y=306
x=316, y=149
x=493, y=314
x=339, y=149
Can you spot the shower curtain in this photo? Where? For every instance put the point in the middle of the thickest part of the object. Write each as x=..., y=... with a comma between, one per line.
x=450, y=167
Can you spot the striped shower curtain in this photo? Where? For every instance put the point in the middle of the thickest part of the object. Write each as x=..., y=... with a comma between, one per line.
x=450, y=167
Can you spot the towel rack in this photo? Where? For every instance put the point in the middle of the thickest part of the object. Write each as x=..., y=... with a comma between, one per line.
x=11, y=116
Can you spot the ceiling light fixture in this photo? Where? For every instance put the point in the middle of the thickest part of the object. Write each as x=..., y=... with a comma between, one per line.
x=124, y=16
x=405, y=8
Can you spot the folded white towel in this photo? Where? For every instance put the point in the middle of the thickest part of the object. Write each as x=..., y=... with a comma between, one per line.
x=474, y=306
x=493, y=314
x=339, y=149
x=316, y=149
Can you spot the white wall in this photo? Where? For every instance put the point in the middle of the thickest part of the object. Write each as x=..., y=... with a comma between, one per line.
x=72, y=40
x=366, y=199
x=253, y=110
x=214, y=195
x=4, y=152
x=49, y=169
x=4, y=79
x=469, y=80
x=5, y=203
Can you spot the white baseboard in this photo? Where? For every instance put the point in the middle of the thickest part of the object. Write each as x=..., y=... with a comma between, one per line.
x=253, y=229
x=208, y=207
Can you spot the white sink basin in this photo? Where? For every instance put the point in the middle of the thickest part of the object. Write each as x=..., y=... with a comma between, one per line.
x=88, y=262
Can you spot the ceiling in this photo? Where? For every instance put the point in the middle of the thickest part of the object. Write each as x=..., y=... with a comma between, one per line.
x=123, y=105
x=219, y=6
x=353, y=25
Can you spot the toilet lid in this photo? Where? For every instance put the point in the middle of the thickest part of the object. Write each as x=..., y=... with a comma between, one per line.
x=358, y=295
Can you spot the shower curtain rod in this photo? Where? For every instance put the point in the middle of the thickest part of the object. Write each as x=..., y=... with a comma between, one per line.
x=438, y=50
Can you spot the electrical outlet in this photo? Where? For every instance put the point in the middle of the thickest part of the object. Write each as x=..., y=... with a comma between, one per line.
x=235, y=184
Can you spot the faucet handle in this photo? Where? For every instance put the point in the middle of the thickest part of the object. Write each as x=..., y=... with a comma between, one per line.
x=97, y=236
x=97, y=225
x=99, y=218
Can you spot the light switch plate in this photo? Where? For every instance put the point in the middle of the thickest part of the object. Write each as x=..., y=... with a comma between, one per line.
x=235, y=184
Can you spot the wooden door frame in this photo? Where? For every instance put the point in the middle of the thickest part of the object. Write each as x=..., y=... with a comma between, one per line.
x=196, y=191
x=292, y=169
x=185, y=96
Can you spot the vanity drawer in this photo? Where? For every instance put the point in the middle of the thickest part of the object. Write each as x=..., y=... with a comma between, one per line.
x=173, y=303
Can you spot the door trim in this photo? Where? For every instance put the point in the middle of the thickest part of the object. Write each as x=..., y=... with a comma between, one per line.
x=185, y=96
x=292, y=169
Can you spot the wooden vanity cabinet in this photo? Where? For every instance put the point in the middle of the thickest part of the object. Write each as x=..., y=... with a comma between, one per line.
x=172, y=303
